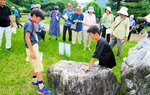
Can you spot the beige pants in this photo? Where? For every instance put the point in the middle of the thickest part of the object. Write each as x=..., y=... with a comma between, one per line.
x=87, y=39
x=37, y=65
x=74, y=37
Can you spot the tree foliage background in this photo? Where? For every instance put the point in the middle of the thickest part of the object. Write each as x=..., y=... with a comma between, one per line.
x=47, y=5
x=97, y=8
x=139, y=8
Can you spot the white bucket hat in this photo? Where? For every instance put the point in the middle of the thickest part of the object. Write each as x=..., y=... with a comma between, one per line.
x=91, y=9
x=123, y=11
x=38, y=6
x=35, y=6
x=148, y=18
x=13, y=7
x=131, y=17
x=108, y=8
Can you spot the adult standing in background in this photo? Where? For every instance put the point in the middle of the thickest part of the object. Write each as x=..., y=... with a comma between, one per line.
x=55, y=22
x=89, y=20
x=120, y=30
x=84, y=14
x=107, y=20
x=33, y=6
x=5, y=24
x=41, y=26
x=77, y=18
x=132, y=26
x=67, y=14
x=17, y=16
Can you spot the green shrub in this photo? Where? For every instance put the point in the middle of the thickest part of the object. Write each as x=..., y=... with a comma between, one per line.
x=48, y=6
x=141, y=19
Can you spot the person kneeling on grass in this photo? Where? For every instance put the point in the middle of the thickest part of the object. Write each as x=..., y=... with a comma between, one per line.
x=31, y=43
x=103, y=51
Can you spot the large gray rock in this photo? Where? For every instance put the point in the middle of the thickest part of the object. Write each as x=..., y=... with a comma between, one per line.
x=135, y=70
x=68, y=78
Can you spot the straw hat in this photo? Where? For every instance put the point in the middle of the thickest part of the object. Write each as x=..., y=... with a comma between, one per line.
x=108, y=8
x=148, y=18
x=123, y=11
x=91, y=9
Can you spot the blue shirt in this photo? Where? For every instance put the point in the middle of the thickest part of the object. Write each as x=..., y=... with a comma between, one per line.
x=69, y=15
x=28, y=27
x=132, y=23
x=16, y=13
x=79, y=25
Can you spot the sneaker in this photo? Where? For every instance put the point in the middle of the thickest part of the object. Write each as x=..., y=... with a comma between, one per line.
x=34, y=83
x=44, y=91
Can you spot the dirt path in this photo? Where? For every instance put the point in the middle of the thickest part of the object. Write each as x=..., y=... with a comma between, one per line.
x=137, y=37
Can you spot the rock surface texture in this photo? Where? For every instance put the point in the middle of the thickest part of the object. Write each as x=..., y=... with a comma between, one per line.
x=68, y=78
x=135, y=70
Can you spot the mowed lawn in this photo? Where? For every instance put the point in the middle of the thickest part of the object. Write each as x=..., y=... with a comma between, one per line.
x=15, y=72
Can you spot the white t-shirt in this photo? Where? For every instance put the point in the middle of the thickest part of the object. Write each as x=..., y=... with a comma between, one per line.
x=90, y=20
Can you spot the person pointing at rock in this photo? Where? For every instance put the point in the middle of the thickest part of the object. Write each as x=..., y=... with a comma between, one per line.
x=103, y=51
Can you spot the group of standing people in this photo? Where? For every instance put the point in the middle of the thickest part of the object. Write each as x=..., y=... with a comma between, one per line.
x=82, y=21
x=115, y=30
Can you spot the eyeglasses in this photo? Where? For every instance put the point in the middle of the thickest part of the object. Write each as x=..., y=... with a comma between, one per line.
x=56, y=9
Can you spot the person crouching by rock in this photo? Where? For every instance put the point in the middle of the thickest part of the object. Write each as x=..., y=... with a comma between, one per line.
x=103, y=51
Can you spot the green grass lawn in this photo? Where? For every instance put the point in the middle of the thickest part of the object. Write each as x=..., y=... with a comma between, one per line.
x=47, y=19
x=15, y=73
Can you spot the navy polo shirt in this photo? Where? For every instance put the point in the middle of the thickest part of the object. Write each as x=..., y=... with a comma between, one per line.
x=28, y=27
x=4, y=16
x=79, y=25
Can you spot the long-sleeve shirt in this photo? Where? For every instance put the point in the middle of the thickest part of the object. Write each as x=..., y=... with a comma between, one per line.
x=90, y=20
x=68, y=13
x=122, y=30
x=108, y=21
